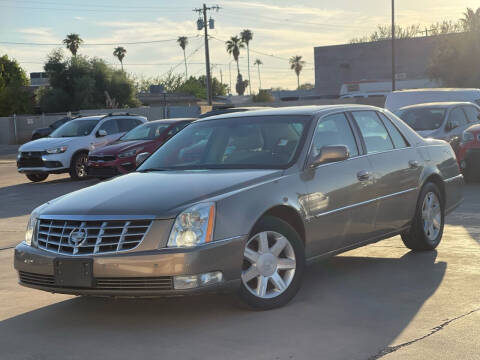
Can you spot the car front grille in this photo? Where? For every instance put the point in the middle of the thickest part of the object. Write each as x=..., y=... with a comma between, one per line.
x=31, y=159
x=101, y=157
x=90, y=237
x=105, y=283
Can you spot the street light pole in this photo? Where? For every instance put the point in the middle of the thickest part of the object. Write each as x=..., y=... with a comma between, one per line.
x=393, y=45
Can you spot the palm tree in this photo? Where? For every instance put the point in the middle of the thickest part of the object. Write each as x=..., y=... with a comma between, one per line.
x=246, y=36
x=259, y=62
x=183, y=42
x=296, y=64
x=471, y=20
x=72, y=42
x=233, y=48
x=120, y=53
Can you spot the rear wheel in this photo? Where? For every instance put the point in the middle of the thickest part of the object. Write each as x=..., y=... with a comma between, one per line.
x=37, y=177
x=427, y=226
x=273, y=265
x=78, y=166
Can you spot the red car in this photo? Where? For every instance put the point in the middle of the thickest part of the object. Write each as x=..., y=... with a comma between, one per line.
x=468, y=153
x=119, y=157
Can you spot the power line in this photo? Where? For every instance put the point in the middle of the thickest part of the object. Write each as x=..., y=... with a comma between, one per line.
x=96, y=5
x=95, y=44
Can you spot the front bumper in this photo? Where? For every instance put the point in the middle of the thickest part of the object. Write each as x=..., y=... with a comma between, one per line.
x=137, y=274
x=110, y=168
x=39, y=162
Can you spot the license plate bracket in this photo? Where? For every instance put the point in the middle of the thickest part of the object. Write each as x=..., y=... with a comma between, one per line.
x=75, y=273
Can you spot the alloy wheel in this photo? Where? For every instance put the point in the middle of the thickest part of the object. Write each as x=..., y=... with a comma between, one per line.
x=81, y=166
x=269, y=264
x=431, y=216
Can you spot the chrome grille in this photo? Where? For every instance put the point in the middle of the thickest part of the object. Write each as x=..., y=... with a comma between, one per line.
x=87, y=237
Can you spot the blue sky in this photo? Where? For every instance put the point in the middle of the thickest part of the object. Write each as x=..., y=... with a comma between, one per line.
x=281, y=28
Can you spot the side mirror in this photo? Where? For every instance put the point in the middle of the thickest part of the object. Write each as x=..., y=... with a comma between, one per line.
x=101, y=133
x=141, y=158
x=331, y=153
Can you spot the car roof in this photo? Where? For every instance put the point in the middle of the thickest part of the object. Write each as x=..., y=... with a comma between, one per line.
x=293, y=110
x=436, y=90
x=171, y=121
x=437, y=104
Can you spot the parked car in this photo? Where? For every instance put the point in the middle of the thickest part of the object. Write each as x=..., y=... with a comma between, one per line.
x=399, y=99
x=43, y=132
x=443, y=120
x=229, y=110
x=66, y=149
x=119, y=157
x=468, y=154
x=271, y=191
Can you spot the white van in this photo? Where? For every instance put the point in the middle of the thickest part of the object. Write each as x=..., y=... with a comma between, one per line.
x=398, y=99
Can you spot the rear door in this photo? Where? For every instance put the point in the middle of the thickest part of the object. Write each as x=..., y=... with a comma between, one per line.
x=396, y=166
x=338, y=194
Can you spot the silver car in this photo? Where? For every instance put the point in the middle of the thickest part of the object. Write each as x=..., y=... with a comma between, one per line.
x=441, y=120
x=245, y=201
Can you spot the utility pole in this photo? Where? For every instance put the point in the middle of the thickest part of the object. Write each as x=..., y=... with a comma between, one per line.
x=203, y=24
x=393, y=45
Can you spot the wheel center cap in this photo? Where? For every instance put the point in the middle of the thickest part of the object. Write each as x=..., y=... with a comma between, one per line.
x=267, y=264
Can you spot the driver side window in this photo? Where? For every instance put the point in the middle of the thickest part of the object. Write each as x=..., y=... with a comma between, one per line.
x=334, y=130
x=110, y=126
x=457, y=118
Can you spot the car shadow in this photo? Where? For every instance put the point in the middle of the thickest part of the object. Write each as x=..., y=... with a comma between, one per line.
x=23, y=198
x=466, y=215
x=348, y=308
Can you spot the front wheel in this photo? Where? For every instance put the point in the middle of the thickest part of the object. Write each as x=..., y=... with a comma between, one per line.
x=427, y=226
x=36, y=177
x=78, y=166
x=273, y=265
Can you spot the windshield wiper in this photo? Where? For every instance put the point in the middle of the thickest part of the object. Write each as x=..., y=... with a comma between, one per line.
x=152, y=169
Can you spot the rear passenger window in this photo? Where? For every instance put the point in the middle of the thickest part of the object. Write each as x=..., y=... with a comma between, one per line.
x=334, y=130
x=373, y=131
x=472, y=113
x=397, y=137
x=457, y=118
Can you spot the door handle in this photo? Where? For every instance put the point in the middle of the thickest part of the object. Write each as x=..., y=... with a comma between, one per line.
x=363, y=175
x=414, y=164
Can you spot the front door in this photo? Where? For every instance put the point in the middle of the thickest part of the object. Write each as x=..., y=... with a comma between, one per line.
x=339, y=194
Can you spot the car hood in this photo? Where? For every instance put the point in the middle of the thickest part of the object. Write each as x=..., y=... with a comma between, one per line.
x=120, y=146
x=161, y=194
x=44, y=143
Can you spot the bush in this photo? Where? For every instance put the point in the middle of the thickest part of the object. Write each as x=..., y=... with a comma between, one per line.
x=263, y=96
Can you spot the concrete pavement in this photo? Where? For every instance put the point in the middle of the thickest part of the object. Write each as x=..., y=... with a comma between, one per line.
x=380, y=301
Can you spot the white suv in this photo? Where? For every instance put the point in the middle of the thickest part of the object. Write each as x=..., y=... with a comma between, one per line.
x=66, y=149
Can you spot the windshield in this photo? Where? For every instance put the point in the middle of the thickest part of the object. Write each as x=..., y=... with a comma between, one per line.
x=145, y=132
x=423, y=119
x=75, y=128
x=236, y=143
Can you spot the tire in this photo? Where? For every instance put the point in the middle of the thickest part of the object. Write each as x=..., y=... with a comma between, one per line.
x=260, y=269
x=37, y=177
x=427, y=226
x=78, y=166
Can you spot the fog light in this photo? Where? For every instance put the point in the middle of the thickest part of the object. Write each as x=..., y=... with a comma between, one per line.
x=182, y=282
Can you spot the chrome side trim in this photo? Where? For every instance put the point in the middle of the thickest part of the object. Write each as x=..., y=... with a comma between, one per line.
x=453, y=178
x=97, y=217
x=365, y=202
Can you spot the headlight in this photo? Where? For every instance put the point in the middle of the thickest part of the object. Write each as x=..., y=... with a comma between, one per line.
x=32, y=225
x=129, y=153
x=193, y=227
x=467, y=136
x=57, y=150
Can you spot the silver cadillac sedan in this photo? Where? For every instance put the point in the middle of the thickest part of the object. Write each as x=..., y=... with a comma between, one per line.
x=244, y=201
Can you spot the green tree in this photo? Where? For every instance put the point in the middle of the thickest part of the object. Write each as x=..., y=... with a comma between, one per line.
x=456, y=57
x=196, y=86
x=233, y=48
x=183, y=42
x=14, y=95
x=246, y=36
x=258, y=62
x=72, y=42
x=296, y=64
x=120, y=53
x=83, y=83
